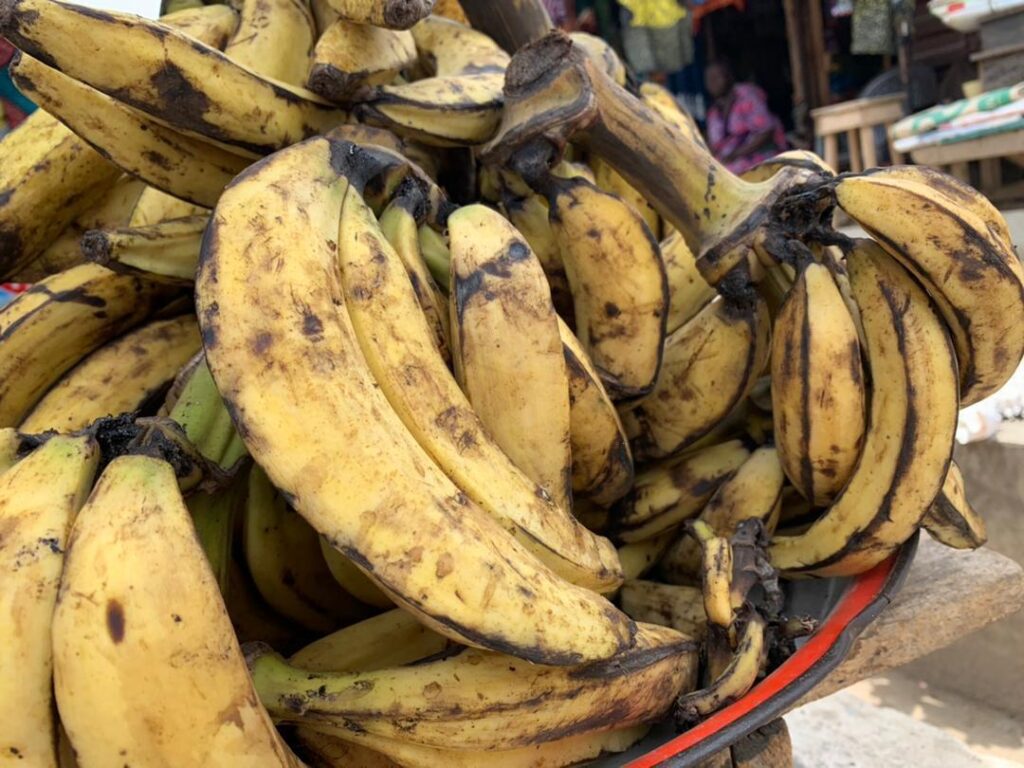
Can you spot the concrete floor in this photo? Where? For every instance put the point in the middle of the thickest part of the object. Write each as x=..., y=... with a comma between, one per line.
x=896, y=721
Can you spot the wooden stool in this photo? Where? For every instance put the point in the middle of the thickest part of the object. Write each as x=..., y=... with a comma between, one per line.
x=857, y=119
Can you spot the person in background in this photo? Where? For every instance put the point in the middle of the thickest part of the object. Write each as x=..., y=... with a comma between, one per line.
x=742, y=131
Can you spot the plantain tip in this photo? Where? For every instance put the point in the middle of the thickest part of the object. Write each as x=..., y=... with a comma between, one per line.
x=537, y=60
x=94, y=244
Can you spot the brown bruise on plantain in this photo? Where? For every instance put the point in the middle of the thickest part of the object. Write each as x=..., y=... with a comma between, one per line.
x=115, y=621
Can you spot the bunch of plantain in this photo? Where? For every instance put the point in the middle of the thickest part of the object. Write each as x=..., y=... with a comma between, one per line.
x=387, y=398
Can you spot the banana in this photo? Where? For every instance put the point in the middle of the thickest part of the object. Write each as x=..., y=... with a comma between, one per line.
x=351, y=579
x=961, y=257
x=154, y=206
x=961, y=194
x=213, y=516
x=569, y=750
x=818, y=389
x=322, y=750
x=81, y=168
x=399, y=225
x=451, y=9
x=190, y=168
x=10, y=448
x=283, y=555
x=350, y=57
x=507, y=349
x=136, y=599
x=58, y=322
x=391, y=639
x=174, y=79
x=437, y=257
x=709, y=366
x=203, y=417
x=48, y=176
x=529, y=214
x=393, y=512
x=390, y=14
x=167, y=249
x=661, y=100
x=715, y=574
x=602, y=464
x=679, y=607
x=952, y=520
x=39, y=498
x=602, y=54
x=111, y=210
x=357, y=133
x=460, y=104
x=210, y=24
x=617, y=279
x=253, y=620
x=478, y=700
x=754, y=491
x=119, y=377
x=401, y=354
x=797, y=158
x=607, y=179
x=554, y=94
x=688, y=291
x=738, y=678
x=911, y=424
x=671, y=492
x=324, y=15
x=274, y=39
x=456, y=110
x=639, y=557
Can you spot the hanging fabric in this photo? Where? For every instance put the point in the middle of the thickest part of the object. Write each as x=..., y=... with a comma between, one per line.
x=872, y=29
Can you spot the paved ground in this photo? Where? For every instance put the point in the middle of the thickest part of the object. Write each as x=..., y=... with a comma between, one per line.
x=897, y=721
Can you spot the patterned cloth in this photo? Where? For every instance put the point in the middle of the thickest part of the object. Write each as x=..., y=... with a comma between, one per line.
x=656, y=49
x=943, y=114
x=748, y=115
x=13, y=105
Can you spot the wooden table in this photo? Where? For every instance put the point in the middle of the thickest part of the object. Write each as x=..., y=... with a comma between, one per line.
x=948, y=595
x=987, y=151
x=857, y=119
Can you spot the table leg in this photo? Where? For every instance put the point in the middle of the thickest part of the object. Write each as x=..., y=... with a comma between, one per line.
x=856, y=161
x=991, y=175
x=962, y=171
x=867, y=147
x=895, y=158
x=831, y=151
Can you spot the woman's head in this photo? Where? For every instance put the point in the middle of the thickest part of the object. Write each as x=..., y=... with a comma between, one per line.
x=718, y=79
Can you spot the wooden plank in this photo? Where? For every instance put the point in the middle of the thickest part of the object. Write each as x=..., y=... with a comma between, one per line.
x=818, y=58
x=991, y=174
x=856, y=157
x=794, y=36
x=767, y=747
x=867, y=147
x=948, y=595
x=851, y=115
x=831, y=151
x=999, y=145
x=961, y=170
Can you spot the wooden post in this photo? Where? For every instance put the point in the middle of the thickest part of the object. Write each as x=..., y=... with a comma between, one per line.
x=798, y=72
x=816, y=51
